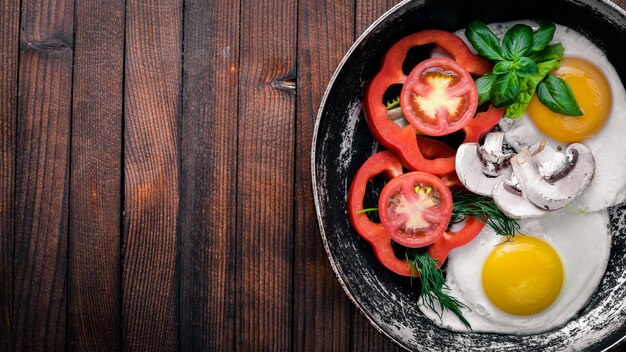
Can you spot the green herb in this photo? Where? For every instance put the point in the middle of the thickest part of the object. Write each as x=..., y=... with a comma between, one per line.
x=517, y=42
x=484, y=41
x=543, y=36
x=502, y=67
x=483, y=84
x=554, y=93
x=366, y=210
x=433, y=286
x=505, y=89
x=522, y=62
x=552, y=52
x=525, y=67
x=469, y=204
x=528, y=86
x=393, y=103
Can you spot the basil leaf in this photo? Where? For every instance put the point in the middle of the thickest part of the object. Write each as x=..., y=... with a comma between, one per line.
x=554, y=93
x=517, y=42
x=483, y=85
x=505, y=89
x=551, y=52
x=503, y=66
x=525, y=67
x=543, y=36
x=527, y=88
x=484, y=41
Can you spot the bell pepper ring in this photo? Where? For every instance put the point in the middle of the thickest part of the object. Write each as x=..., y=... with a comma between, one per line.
x=402, y=140
x=432, y=148
x=438, y=97
x=451, y=240
x=387, y=165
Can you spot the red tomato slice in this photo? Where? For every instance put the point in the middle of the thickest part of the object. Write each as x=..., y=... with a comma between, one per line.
x=439, y=97
x=415, y=208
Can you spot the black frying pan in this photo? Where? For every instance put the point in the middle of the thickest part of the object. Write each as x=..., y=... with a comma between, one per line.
x=342, y=142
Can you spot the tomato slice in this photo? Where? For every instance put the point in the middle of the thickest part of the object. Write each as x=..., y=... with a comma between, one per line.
x=415, y=209
x=439, y=97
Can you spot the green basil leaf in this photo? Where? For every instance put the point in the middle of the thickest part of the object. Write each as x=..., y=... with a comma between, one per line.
x=525, y=67
x=543, y=36
x=554, y=93
x=517, y=42
x=503, y=66
x=505, y=89
x=527, y=88
x=551, y=52
x=483, y=85
x=484, y=41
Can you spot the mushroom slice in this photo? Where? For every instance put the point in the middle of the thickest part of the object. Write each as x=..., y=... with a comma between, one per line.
x=512, y=203
x=551, y=180
x=480, y=168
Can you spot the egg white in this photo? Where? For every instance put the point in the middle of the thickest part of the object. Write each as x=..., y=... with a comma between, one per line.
x=583, y=242
x=608, y=186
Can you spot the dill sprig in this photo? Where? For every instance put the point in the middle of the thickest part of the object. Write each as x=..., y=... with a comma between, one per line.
x=470, y=204
x=392, y=104
x=366, y=210
x=433, y=286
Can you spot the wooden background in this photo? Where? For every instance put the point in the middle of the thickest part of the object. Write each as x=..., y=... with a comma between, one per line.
x=154, y=175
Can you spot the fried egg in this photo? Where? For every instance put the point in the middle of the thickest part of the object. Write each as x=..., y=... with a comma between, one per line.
x=532, y=283
x=602, y=99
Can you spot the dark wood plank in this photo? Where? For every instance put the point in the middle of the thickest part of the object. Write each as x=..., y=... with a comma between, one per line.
x=9, y=37
x=322, y=315
x=208, y=170
x=264, y=236
x=42, y=175
x=95, y=198
x=364, y=336
x=151, y=162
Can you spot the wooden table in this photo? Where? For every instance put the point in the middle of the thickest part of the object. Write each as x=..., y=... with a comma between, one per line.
x=155, y=181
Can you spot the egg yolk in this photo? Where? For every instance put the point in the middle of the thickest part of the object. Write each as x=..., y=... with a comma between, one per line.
x=593, y=95
x=523, y=276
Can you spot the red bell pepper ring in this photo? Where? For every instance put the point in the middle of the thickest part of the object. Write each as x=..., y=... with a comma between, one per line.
x=400, y=140
x=387, y=165
x=450, y=240
x=432, y=148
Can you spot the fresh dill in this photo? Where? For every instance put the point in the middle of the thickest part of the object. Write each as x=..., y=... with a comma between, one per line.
x=392, y=104
x=470, y=204
x=366, y=210
x=433, y=286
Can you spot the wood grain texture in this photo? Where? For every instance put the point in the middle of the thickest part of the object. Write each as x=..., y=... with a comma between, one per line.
x=151, y=163
x=264, y=234
x=322, y=310
x=364, y=336
x=42, y=175
x=368, y=11
x=95, y=198
x=208, y=191
x=9, y=37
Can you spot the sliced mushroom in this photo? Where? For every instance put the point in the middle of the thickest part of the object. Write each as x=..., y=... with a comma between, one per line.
x=508, y=197
x=549, y=161
x=494, y=161
x=552, y=180
x=481, y=168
